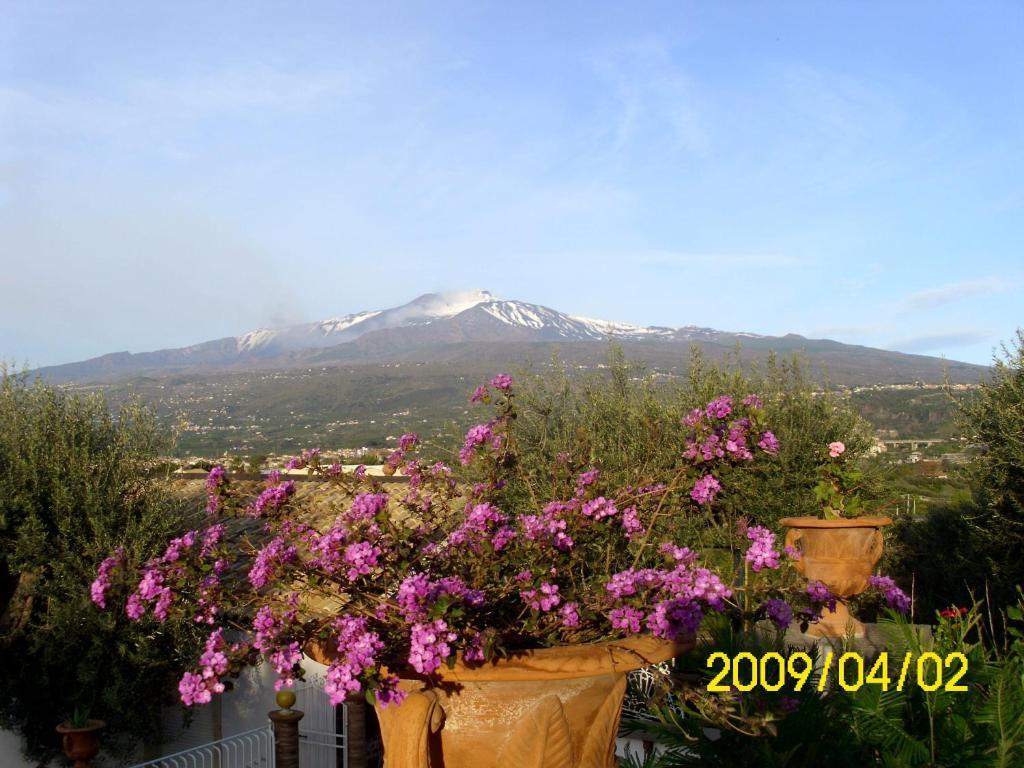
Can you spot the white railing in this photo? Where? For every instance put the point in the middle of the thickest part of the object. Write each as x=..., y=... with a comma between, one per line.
x=640, y=687
x=249, y=749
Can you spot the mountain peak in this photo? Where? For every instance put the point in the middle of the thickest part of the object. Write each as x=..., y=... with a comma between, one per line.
x=448, y=303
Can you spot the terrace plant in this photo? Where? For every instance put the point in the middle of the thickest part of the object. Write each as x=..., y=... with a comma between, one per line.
x=76, y=481
x=458, y=571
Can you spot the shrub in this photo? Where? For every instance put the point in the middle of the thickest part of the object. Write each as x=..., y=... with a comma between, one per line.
x=628, y=423
x=76, y=482
x=995, y=420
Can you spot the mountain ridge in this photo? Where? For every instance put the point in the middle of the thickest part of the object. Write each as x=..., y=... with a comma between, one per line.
x=433, y=321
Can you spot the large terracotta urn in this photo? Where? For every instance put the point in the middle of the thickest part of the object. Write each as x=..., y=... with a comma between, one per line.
x=547, y=708
x=842, y=554
x=81, y=743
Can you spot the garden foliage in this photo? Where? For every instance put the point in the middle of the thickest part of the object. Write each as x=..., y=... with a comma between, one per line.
x=994, y=419
x=630, y=424
x=823, y=724
x=75, y=482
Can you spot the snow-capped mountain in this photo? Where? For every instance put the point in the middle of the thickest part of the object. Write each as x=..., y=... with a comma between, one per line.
x=537, y=321
x=433, y=326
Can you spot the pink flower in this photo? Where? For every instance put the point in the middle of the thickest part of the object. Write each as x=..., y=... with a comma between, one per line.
x=762, y=552
x=631, y=523
x=626, y=618
x=476, y=436
x=502, y=381
x=429, y=645
x=599, y=508
x=836, y=449
x=544, y=599
x=569, y=614
x=705, y=489
x=720, y=407
x=769, y=443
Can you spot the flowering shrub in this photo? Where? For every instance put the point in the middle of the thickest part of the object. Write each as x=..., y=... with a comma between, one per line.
x=405, y=582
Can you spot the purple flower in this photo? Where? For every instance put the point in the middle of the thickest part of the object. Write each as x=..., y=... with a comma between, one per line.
x=478, y=522
x=720, y=407
x=569, y=614
x=476, y=436
x=366, y=506
x=630, y=582
x=548, y=528
x=99, y=587
x=762, y=552
x=585, y=479
x=779, y=612
x=672, y=619
x=474, y=650
x=284, y=660
x=357, y=649
x=631, y=523
x=626, y=618
x=769, y=443
x=599, y=508
x=417, y=594
x=502, y=381
x=388, y=693
x=213, y=536
x=752, y=401
x=362, y=557
x=216, y=478
x=502, y=537
x=693, y=418
x=135, y=608
x=544, y=599
x=199, y=688
x=408, y=441
x=273, y=555
x=267, y=627
x=480, y=394
x=683, y=555
x=705, y=489
x=821, y=595
x=894, y=596
x=273, y=497
x=429, y=645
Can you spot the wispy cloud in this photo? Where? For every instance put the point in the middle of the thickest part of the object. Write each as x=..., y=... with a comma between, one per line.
x=952, y=292
x=137, y=112
x=937, y=342
x=653, y=95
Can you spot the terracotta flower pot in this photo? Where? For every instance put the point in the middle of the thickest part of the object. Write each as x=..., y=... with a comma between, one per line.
x=81, y=743
x=548, y=708
x=842, y=554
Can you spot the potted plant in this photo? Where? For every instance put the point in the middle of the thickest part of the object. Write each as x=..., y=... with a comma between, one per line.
x=485, y=629
x=80, y=737
x=841, y=548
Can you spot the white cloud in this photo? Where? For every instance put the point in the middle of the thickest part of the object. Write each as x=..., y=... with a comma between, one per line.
x=936, y=342
x=953, y=292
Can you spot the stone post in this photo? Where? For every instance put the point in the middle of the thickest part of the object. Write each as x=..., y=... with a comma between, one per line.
x=286, y=731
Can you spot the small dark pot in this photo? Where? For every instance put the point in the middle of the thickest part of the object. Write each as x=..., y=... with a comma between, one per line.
x=81, y=744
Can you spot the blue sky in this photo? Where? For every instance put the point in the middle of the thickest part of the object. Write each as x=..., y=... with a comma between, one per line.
x=176, y=172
